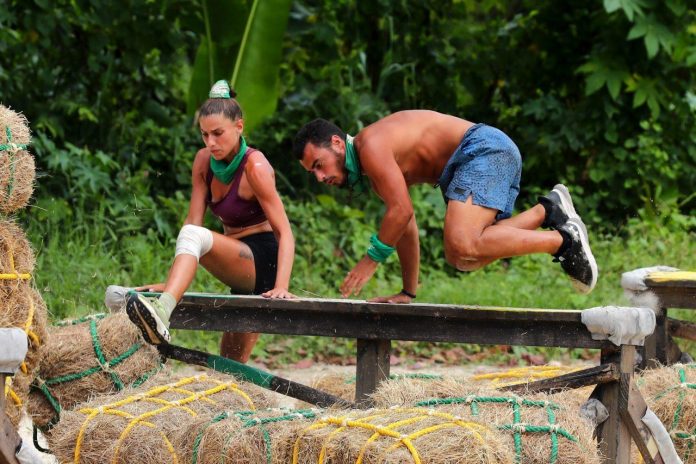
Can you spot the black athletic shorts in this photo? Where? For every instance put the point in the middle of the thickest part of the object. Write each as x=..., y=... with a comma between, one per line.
x=264, y=247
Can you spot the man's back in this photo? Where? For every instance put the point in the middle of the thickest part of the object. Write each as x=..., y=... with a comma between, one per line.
x=421, y=141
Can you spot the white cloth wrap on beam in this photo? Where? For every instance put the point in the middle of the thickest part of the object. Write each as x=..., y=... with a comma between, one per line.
x=115, y=297
x=622, y=326
x=13, y=349
x=27, y=454
x=636, y=291
x=662, y=438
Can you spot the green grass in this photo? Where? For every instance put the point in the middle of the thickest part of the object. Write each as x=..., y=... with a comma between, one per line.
x=74, y=267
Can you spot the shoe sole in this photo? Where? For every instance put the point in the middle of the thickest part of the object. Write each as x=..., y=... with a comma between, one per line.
x=585, y=242
x=146, y=322
x=567, y=204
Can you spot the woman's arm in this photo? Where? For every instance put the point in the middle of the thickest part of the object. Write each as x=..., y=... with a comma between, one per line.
x=261, y=178
x=199, y=189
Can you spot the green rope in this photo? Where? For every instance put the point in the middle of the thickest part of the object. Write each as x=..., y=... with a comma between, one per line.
x=143, y=378
x=104, y=364
x=98, y=317
x=11, y=148
x=682, y=387
x=199, y=437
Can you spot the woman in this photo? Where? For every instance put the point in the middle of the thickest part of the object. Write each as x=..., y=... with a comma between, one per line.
x=255, y=253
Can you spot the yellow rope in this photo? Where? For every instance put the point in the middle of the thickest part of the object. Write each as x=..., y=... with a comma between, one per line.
x=14, y=275
x=150, y=396
x=388, y=430
x=11, y=393
x=528, y=372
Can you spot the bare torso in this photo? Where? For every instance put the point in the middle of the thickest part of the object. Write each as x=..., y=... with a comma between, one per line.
x=421, y=142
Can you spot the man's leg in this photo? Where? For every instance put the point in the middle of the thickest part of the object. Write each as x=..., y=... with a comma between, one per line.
x=472, y=240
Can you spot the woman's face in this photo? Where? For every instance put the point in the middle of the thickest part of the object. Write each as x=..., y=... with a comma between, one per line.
x=221, y=135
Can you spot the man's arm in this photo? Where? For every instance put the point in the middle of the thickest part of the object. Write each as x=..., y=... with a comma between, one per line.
x=377, y=160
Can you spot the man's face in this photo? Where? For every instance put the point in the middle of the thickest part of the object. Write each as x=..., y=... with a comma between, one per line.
x=326, y=163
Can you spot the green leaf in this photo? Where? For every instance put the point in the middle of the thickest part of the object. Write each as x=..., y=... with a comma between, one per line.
x=652, y=45
x=255, y=76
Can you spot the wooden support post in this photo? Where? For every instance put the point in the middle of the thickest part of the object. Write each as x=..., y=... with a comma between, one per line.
x=613, y=434
x=372, y=368
x=9, y=440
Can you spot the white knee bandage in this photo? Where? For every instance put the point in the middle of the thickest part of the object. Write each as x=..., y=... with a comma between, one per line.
x=193, y=240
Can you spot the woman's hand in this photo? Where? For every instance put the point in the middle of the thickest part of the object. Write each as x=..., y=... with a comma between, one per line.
x=399, y=298
x=151, y=288
x=279, y=292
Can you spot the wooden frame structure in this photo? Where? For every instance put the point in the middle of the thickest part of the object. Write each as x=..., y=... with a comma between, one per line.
x=673, y=290
x=13, y=351
x=375, y=325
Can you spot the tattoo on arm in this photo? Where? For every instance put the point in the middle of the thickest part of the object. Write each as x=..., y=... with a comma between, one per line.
x=245, y=253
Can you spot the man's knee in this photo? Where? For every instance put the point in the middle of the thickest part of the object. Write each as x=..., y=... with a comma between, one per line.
x=462, y=249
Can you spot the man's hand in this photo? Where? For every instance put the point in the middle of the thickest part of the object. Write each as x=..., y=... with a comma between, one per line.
x=398, y=298
x=358, y=277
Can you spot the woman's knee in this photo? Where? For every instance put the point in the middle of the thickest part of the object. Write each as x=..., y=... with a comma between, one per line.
x=194, y=240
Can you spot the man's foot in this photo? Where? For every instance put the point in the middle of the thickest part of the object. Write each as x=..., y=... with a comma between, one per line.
x=559, y=208
x=577, y=260
x=150, y=317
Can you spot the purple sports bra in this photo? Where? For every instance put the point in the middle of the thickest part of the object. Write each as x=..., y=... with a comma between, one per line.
x=233, y=210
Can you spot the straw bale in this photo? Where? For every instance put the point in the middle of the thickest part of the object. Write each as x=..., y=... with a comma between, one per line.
x=18, y=124
x=144, y=424
x=246, y=436
x=24, y=308
x=17, y=175
x=16, y=394
x=401, y=435
x=497, y=408
x=671, y=394
x=524, y=374
x=70, y=351
x=338, y=385
x=16, y=255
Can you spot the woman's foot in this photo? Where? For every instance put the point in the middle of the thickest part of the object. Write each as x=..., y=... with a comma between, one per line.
x=150, y=316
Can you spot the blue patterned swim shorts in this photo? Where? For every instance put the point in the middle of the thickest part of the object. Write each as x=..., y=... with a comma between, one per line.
x=486, y=166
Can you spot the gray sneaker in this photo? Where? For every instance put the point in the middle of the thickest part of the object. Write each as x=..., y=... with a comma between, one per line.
x=560, y=208
x=150, y=317
x=577, y=260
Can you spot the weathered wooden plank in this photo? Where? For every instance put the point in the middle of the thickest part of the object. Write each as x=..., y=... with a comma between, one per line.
x=676, y=297
x=593, y=376
x=372, y=368
x=681, y=329
x=375, y=321
x=632, y=408
x=9, y=440
x=683, y=279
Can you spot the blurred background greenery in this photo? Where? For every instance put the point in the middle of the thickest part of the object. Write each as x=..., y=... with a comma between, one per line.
x=600, y=95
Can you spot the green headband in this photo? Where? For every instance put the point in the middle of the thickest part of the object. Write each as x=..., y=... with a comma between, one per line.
x=221, y=89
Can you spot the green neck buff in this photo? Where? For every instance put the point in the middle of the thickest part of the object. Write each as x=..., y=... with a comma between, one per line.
x=225, y=171
x=356, y=182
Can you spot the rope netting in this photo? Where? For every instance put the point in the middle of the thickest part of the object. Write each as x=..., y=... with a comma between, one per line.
x=103, y=365
x=12, y=273
x=251, y=419
x=682, y=392
x=525, y=374
x=436, y=421
x=517, y=427
x=155, y=396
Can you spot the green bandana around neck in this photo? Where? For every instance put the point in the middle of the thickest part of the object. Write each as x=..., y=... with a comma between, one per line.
x=356, y=183
x=225, y=171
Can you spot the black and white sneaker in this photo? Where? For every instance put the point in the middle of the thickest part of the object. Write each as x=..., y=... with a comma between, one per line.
x=150, y=317
x=577, y=259
x=559, y=208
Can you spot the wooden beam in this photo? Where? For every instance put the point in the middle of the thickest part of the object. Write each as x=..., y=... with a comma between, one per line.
x=378, y=321
x=593, y=376
x=681, y=329
x=372, y=368
x=632, y=408
x=9, y=439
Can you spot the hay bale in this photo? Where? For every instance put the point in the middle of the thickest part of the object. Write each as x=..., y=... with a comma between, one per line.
x=71, y=371
x=16, y=257
x=144, y=425
x=529, y=423
x=246, y=436
x=16, y=390
x=671, y=393
x=25, y=309
x=401, y=435
x=524, y=374
x=17, y=170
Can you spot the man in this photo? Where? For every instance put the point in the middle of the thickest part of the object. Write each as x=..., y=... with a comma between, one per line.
x=478, y=169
